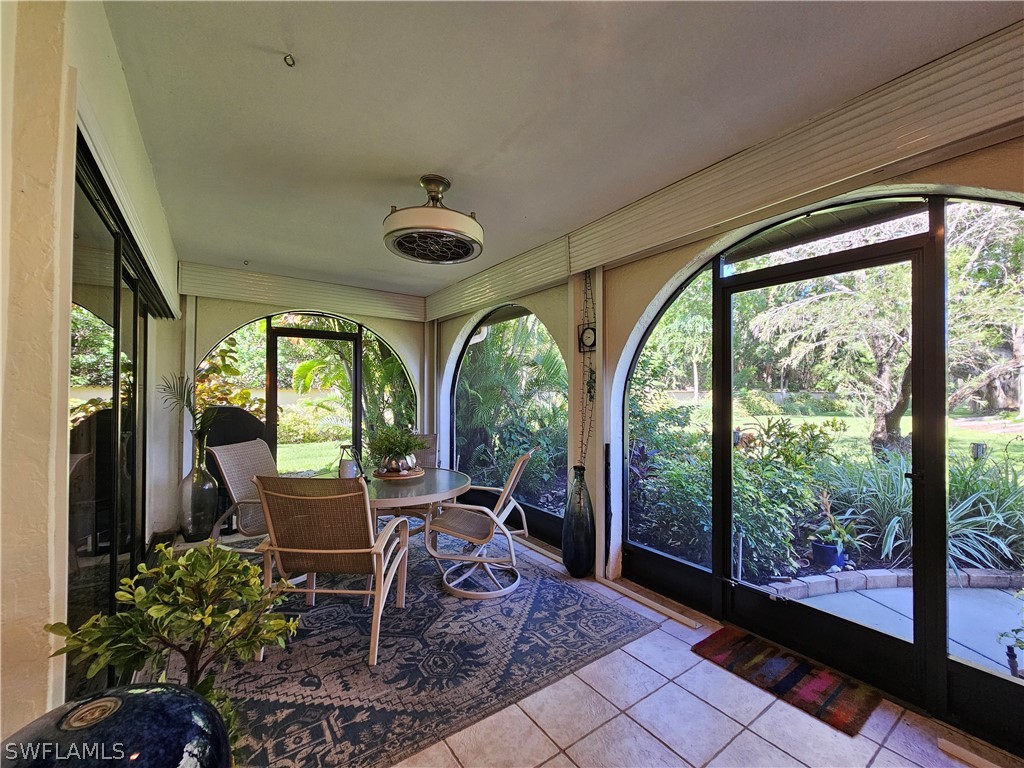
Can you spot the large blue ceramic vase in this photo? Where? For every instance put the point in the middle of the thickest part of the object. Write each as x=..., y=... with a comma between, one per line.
x=149, y=725
x=578, y=537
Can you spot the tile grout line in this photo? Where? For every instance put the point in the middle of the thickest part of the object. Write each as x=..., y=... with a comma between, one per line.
x=451, y=752
x=588, y=733
x=655, y=736
x=779, y=747
x=892, y=728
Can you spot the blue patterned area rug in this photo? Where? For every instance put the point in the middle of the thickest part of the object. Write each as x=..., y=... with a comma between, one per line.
x=444, y=663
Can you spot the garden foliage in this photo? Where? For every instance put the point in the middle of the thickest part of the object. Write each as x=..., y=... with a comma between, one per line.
x=511, y=396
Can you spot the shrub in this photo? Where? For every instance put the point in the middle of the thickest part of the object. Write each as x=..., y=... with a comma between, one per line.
x=774, y=493
x=756, y=403
x=985, y=519
x=878, y=495
x=207, y=607
x=807, y=404
x=306, y=422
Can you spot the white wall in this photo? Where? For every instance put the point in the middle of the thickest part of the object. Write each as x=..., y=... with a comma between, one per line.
x=48, y=50
x=107, y=120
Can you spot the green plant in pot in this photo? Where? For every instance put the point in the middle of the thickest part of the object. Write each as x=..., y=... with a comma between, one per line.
x=833, y=538
x=186, y=615
x=392, y=449
x=1014, y=640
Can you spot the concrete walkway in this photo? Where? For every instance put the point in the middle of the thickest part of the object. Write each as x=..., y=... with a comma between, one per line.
x=976, y=617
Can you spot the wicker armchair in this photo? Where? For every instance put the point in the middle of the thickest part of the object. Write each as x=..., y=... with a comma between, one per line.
x=477, y=526
x=238, y=463
x=325, y=526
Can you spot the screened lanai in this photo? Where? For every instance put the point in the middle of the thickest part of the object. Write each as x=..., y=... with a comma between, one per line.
x=755, y=268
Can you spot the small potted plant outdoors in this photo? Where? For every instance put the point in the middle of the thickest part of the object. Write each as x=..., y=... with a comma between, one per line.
x=1014, y=639
x=205, y=608
x=833, y=538
x=392, y=450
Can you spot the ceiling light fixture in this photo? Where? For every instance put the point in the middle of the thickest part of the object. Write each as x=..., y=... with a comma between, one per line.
x=431, y=233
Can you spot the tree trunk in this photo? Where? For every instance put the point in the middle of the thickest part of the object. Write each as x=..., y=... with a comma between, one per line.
x=886, y=431
x=1018, y=356
x=696, y=382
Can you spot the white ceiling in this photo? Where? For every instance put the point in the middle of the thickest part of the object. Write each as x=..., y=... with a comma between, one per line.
x=545, y=116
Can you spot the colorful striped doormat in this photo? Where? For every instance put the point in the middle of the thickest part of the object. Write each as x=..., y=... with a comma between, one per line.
x=839, y=701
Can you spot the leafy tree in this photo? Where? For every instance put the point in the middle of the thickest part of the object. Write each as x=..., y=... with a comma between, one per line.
x=985, y=256
x=92, y=349
x=859, y=322
x=387, y=394
x=216, y=379
x=856, y=325
x=681, y=342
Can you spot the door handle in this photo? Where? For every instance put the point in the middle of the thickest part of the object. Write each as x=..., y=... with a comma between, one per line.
x=913, y=475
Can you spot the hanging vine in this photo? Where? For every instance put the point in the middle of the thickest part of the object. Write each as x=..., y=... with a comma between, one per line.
x=588, y=380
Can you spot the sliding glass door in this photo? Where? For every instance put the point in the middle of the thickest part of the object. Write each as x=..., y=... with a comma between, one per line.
x=112, y=294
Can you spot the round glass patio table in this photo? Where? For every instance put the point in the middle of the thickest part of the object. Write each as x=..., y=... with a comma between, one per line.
x=435, y=485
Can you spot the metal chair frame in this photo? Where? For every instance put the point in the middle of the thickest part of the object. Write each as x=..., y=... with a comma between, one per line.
x=477, y=526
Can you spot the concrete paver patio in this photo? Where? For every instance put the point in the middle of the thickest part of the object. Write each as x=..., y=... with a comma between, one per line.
x=976, y=617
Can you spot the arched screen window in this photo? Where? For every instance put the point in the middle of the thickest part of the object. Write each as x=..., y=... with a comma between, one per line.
x=332, y=382
x=511, y=395
x=669, y=481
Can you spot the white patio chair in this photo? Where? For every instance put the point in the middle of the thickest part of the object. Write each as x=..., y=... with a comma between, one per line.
x=477, y=526
x=238, y=464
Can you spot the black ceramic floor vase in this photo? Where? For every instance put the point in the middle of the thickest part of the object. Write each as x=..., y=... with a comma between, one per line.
x=578, y=538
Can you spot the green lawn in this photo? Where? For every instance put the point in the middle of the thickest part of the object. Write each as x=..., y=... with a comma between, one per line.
x=855, y=439
x=300, y=457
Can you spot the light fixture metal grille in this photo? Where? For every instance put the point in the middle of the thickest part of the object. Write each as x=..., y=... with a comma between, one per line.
x=435, y=247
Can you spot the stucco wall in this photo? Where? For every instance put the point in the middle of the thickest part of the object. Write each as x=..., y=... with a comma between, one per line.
x=35, y=323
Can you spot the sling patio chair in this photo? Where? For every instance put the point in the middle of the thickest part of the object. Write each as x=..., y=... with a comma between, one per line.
x=477, y=526
x=324, y=525
x=238, y=464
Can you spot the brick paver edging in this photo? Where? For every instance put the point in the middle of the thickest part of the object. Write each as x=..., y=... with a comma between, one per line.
x=882, y=578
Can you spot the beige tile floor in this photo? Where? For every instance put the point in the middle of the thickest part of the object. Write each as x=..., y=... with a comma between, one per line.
x=654, y=703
